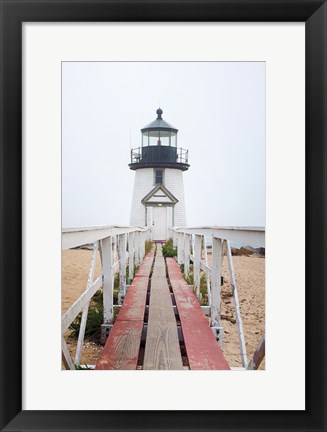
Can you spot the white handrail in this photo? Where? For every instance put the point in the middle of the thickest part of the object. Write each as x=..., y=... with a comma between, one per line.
x=222, y=236
x=75, y=237
x=104, y=239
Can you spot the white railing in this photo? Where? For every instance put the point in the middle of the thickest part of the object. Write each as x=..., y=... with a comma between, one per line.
x=116, y=245
x=192, y=246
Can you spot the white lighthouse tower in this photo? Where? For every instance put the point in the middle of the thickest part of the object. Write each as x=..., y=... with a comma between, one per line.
x=158, y=197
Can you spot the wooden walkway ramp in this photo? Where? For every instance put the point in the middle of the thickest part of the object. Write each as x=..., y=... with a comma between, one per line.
x=160, y=325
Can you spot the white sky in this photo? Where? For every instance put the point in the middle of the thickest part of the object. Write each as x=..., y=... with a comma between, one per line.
x=219, y=110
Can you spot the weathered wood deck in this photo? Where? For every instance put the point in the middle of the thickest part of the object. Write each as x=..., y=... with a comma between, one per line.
x=146, y=334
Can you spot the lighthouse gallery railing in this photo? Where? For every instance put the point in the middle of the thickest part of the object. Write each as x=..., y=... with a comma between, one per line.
x=157, y=153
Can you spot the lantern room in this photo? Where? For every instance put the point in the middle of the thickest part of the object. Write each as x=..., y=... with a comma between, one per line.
x=159, y=147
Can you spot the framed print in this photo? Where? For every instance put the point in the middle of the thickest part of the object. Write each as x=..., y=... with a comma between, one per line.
x=57, y=61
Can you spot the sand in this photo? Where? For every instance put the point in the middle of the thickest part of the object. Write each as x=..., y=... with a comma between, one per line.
x=250, y=278
x=75, y=269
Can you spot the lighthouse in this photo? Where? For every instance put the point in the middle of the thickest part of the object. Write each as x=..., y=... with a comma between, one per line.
x=158, y=197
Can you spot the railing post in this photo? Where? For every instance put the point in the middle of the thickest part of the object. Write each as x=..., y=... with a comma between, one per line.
x=122, y=268
x=215, y=281
x=207, y=265
x=131, y=251
x=196, y=265
x=193, y=244
x=139, y=252
x=174, y=238
x=136, y=248
x=79, y=347
x=142, y=249
x=186, y=255
x=108, y=287
x=115, y=256
x=237, y=307
x=180, y=248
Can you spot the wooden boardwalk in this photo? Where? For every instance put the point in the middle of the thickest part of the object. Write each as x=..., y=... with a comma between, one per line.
x=160, y=325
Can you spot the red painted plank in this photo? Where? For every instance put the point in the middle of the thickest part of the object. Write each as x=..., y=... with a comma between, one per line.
x=121, y=350
x=145, y=267
x=202, y=349
x=134, y=302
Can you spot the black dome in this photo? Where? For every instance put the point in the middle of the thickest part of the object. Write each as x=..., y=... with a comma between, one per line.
x=159, y=123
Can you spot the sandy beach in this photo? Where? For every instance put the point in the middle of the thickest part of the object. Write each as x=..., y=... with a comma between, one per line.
x=250, y=278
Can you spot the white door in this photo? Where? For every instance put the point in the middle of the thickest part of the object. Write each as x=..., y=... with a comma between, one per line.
x=159, y=223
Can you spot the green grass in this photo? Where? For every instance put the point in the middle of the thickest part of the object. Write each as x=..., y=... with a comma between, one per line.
x=93, y=322
x=203, y=284
x=148, y=246
x=95, y=313
x=168, y=249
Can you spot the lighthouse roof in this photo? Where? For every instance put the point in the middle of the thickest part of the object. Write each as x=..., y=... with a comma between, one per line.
x=159, y=123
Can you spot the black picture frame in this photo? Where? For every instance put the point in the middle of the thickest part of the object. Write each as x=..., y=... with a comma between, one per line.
x=13, y=14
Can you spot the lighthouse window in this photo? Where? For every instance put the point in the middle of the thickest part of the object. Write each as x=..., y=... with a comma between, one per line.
x=164, y=138
x=173, y=139
x=158, y=176
x=145, y=139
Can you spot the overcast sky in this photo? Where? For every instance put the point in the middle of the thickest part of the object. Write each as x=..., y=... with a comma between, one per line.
x=219, y=110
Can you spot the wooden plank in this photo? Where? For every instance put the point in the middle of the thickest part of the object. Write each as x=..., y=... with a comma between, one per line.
x=162, y=349
x=134, y=304
x=159, y=268
x=202, y=349
x=122, y=347
x=145, y=267
x=121, y=350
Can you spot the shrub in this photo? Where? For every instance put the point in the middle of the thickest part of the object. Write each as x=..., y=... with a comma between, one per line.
x=94, y=319
x=168, y=249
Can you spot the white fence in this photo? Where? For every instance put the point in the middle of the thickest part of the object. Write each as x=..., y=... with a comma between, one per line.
x=116, y=245
x=192, y=246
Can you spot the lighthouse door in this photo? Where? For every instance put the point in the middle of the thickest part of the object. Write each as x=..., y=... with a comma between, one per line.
x=159, y=223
